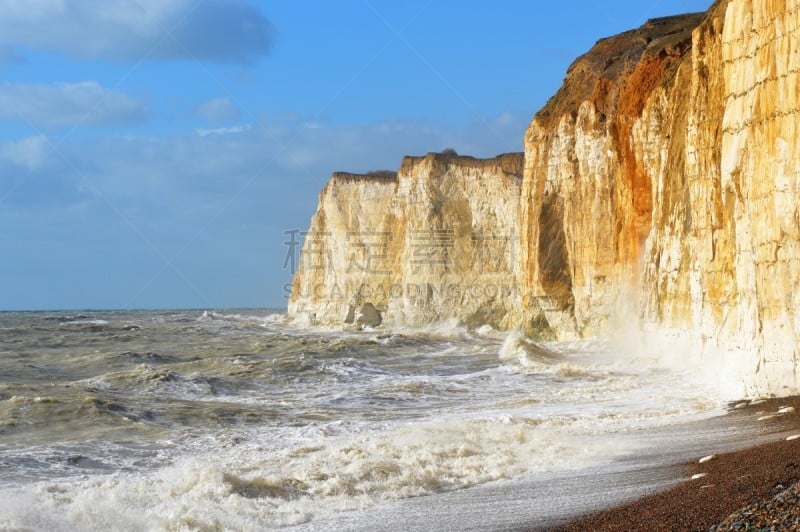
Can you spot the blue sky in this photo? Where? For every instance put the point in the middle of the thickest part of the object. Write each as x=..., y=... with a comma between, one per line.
x=154, y=152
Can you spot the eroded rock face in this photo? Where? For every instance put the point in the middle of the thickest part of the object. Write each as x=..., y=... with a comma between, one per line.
x=677, y=202
x=660, y=191
x=436, y=242
x=723, y=259
x=587, y=192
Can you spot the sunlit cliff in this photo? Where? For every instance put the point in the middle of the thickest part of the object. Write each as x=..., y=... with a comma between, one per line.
x=660, y=186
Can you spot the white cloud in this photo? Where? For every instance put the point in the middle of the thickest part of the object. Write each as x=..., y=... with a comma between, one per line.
x=222, y=159
x=219, y=111
x=206, y=169
x=29, y=153
x=217, y=30
x=66, y=104
x=221, y=131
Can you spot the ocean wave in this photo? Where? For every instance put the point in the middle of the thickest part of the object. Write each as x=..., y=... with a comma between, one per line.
x=242, y=487
x=527, y=353
x=241, y=421
x=246, y=319
x=85, y=322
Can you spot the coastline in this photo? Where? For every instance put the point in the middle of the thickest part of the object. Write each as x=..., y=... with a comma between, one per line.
x=733, y=480
x=612, y=438
x=649, y=489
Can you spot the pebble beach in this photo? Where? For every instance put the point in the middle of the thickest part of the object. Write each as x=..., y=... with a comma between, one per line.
x=755, y=488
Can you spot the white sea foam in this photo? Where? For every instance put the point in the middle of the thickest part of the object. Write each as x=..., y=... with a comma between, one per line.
x=287, y=477
x=85, y=322
x=485, y=330
x=449, y=328
x=243, y=486
x=249, y=319
x=519, y=349
x=254, y=423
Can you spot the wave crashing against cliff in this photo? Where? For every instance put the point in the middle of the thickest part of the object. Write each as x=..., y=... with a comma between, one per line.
x=661, y=181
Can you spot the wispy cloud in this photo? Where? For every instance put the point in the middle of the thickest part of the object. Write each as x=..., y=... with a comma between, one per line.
x=36, y=181
x=194, y=201
x=208, y=167
x=29, y=153
x=67, y=104
x=216, y=30
x=219, y=111
x=222, y=131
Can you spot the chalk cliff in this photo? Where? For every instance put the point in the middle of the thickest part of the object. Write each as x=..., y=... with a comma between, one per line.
x=437, y=241
x=660, y=186
x=586, y=198
x=722, y=265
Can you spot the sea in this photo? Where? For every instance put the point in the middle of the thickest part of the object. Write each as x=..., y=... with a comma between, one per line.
x=240, y=420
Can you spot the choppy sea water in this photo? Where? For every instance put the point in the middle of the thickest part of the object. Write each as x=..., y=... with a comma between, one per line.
x=237, y=420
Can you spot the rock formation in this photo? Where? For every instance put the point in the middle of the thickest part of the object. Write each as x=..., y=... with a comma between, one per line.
x=587, y=200
x=661, y=184
x=439, y=241
x=723, y=258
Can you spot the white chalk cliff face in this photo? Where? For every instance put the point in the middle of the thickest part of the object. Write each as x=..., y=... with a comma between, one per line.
x=436, y=242
x=723, y=258
x=660, y=185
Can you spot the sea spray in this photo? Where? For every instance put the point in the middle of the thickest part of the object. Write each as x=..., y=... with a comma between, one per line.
x=169, y=420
